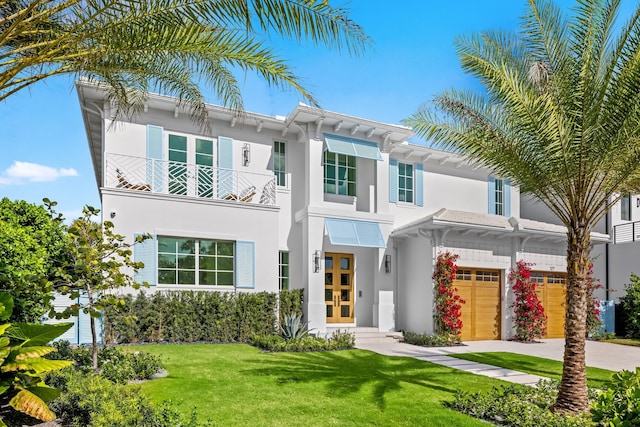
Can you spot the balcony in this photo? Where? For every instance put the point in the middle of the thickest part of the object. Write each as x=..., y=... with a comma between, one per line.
x=190, y=180
x=629, y=232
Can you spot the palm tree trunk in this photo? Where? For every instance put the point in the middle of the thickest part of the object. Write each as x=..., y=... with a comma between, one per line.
x=572, y=393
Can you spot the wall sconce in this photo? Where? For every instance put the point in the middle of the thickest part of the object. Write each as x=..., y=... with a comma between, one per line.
x=316, y=261
x=246, y=154
x=387, y=264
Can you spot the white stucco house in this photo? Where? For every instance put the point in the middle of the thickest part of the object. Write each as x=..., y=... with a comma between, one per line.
x=340, y=206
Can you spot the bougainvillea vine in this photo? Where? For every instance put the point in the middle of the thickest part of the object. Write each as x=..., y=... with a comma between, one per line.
x=448, y=304
x=530, y=320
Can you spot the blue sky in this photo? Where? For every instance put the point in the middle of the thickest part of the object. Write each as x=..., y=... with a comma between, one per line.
x=43, y=141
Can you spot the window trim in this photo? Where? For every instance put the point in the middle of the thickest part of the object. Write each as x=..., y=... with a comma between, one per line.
x=196, y=268
x=281, y=276
x=283, y=171
x=338, y=183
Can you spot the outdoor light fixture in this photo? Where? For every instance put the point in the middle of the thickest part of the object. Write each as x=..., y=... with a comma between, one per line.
x=246, y=154
x=387, y=263
x=316, y=261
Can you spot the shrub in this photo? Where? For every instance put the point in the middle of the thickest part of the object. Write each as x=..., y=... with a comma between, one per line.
x=530, y=321
x=631, y=304
x=91, y=400
x=191, y=317
x=426, y=340
x=518, y=406
x=337, y=341
x=115, y=364
x=619, y=404
x=447, y=303
x=290, y=303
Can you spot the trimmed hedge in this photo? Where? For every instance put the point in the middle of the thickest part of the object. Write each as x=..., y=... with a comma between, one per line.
x=187, y=316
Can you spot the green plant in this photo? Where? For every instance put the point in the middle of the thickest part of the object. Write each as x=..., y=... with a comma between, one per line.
x=31, y=248
x=619, y=404
x=426, y=340
x=293, y=327
x=91, y=400
x=188, y=316
x=631, y=304
x=290, y=303
x=21, y=363
x=337, y=341
x=115, y=364
x=530, y=321
x=517, y=406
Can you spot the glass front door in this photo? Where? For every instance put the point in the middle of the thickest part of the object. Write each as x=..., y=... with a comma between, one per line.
x=338, y=287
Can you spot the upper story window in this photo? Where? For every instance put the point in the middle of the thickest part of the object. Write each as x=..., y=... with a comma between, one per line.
x=625, y=208
x=195, y=262
x=405, y=182
x=183, y=154
x=499, y=208
x=499, y=196
x=280, y=163
x=339, y=174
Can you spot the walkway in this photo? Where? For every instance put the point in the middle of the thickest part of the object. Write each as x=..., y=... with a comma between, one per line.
x=601, y=355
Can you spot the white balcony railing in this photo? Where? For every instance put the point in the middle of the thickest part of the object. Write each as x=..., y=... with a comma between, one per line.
x=628, y=232
x=186, y=179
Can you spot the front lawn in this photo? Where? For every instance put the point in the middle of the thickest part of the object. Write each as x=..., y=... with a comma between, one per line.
x=596, y=377
x=236, y=384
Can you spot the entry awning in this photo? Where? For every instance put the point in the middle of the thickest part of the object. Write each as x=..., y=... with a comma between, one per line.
x=352, y=147
x=354, y=233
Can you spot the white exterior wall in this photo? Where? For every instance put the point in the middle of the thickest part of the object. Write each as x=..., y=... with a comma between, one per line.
x=415, y=286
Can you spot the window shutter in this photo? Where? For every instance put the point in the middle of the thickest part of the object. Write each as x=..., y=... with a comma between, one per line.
x=155, y=155
x=145, y=252
x=225, y=166
x=245, y=265
x=393, y=181
x=507, y=198
x=419, y=184
x=492, y=195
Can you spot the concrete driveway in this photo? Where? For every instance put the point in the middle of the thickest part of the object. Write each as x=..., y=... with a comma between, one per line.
x=614, y=357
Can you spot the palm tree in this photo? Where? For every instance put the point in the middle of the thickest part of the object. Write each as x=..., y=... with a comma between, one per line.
x=561, y=118
x=171, y=46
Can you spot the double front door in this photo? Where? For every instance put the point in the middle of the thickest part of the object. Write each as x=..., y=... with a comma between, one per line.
x=338, y=287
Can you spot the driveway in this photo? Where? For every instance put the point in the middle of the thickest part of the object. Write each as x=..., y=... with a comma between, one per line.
x=614, y=357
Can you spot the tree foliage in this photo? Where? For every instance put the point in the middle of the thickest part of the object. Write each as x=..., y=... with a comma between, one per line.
x=560, y=118
x=98, y=260
x=22, y=347
x=31, y=248
x=172, y=46
x=448, y=304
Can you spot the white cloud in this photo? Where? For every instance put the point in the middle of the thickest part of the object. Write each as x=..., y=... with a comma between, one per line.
x=21, y=172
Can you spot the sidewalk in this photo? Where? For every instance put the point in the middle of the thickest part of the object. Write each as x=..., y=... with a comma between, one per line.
x=601, y=355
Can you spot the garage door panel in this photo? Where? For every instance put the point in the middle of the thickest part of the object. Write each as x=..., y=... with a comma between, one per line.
x=552, y=296
x=481, y=313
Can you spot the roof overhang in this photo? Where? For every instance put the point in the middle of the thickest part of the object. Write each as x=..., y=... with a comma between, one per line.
x=483, y=225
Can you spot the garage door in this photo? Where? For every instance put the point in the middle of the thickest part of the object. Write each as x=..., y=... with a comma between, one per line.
x=481, y=313
x=551, y=289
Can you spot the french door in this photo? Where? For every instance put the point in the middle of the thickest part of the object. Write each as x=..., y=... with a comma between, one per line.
x=338, y=287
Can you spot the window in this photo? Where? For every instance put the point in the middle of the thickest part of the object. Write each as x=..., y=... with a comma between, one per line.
x=195, y=262
x=499, y=196
x=405, y=182
x=279, y=163
x=283, y=275
x=339, y=174
x=625, y=205
x=177, y=164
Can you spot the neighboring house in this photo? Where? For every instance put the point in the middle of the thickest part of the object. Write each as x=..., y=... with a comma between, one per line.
x=340, y=206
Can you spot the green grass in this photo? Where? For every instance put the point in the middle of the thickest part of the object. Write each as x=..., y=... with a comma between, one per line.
x=235, y=384
x=634, y=342
x=596, y=377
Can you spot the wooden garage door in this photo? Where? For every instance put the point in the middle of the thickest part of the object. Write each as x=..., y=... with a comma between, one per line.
x=551, y=289
x=481, y=313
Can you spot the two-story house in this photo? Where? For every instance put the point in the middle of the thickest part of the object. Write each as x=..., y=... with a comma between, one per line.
x=340, y=206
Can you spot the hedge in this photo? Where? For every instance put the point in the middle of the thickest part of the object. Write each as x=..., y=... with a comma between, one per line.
x=188, y=316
